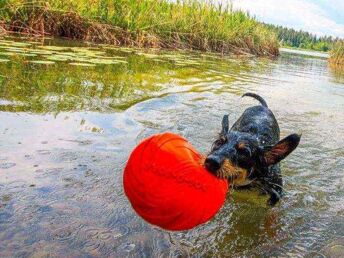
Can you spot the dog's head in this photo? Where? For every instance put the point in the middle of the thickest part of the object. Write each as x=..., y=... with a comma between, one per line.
x=241, y=157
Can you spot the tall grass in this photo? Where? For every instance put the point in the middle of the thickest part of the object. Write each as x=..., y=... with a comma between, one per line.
x=337, y=54
x=200, y=25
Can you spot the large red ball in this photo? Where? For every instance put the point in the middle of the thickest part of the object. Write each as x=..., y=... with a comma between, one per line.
x=167, y=185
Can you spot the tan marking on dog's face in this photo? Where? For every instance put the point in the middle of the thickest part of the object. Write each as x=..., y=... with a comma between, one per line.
x=241, y=145
x=236, y=175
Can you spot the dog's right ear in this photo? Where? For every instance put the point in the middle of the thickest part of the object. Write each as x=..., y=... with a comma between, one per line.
x=282, y=149
x=225, y=125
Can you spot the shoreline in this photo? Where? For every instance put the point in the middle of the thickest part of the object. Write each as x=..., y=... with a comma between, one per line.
x=239, y=34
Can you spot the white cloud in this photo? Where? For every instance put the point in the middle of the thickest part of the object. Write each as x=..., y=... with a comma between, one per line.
x=298, y=14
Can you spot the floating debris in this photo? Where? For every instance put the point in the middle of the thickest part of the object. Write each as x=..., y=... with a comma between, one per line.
x=82, y=64
x=42, y=62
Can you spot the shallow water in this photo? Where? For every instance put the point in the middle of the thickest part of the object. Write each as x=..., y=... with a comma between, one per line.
x=67, y=130
x=310, y=53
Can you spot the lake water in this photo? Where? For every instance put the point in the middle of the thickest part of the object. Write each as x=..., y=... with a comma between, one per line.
x=70, y=114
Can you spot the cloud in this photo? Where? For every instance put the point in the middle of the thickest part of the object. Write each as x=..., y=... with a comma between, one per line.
x=312, y=16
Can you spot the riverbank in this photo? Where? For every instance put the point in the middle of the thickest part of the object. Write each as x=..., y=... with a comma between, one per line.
x=153, y=24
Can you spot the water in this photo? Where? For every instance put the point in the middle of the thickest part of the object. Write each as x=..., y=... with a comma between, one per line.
x=67, y=130
x=310, y=53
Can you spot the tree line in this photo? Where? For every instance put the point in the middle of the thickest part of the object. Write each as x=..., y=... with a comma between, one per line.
x=302, y=39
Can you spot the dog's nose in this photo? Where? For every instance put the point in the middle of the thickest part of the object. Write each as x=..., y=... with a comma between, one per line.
x=212, y=163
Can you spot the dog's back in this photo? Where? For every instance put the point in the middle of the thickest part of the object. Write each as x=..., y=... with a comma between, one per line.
x=259, y=121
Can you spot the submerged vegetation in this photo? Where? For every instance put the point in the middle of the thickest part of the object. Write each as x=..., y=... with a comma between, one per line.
x=61, y=75
x=337, y=55
x=162, y=24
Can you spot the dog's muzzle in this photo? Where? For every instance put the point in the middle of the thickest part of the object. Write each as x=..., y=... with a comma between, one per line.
x=213, y=163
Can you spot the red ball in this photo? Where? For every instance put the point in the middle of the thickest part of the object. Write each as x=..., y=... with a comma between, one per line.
x=168, y=186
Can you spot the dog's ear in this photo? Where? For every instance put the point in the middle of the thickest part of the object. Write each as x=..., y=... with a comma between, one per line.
x=282, y=149
x=225, y=125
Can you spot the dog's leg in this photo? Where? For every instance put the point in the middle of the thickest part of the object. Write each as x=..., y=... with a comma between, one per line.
x=274, y=185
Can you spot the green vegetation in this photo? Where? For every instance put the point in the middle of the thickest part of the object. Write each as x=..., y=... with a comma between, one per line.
x=337, y=54
x=164, y=24
x=301, y=39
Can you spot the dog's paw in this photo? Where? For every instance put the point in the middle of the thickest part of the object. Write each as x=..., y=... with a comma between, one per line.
x=274, y=198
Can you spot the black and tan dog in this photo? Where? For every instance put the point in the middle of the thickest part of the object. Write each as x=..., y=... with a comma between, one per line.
x=249, y=153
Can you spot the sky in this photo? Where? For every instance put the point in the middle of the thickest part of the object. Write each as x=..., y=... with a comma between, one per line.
x=320, y=17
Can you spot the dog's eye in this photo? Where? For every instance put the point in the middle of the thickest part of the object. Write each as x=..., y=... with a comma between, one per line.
x=219, y=142
x=245, y=151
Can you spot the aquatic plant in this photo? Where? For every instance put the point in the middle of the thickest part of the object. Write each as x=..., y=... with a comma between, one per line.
x=200, y=25
x=63, y=75
x=337, y=54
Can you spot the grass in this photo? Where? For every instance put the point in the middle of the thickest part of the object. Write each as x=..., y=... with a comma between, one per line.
x=190, y=24
x=337, y=55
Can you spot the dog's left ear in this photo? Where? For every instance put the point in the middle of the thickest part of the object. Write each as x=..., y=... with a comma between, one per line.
x=281, y=149
x=225, y=125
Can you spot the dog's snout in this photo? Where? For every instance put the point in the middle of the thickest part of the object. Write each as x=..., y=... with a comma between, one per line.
x=212, y=163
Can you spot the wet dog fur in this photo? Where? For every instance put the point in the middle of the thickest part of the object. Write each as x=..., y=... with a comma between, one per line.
x=248, y=153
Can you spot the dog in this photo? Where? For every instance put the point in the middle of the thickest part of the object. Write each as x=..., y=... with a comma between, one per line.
x=248, y=154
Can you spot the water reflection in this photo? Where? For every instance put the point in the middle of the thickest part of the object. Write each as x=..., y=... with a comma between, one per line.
x=67, y=131
x=117, y=80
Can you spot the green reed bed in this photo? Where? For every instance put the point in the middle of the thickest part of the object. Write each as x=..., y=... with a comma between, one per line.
x=337, y=55
x=188, y=24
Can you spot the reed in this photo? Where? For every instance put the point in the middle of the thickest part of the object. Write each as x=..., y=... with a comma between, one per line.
x=337, y=55
x=190, y=24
